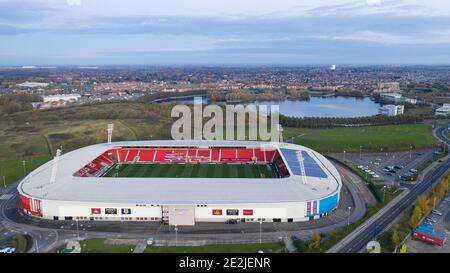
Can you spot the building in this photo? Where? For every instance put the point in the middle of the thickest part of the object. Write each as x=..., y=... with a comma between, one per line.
x=387, y=87
x=443, y=111
x=396, y=98
x=32, y=84
x=307, y=186
x=61, y=98
x=391, y=110
x=392, y=97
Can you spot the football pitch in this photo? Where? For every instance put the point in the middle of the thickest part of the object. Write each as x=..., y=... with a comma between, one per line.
x=180, y=170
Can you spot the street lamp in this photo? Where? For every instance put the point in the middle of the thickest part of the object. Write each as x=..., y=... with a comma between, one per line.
x=4, y=181
x=78, y=233
x=260, y=236
x=410, y=151
x=360, y=152
x=24, y=167
x=344, y=155
x=348, y=216
x=176, y=235
x=384, y=192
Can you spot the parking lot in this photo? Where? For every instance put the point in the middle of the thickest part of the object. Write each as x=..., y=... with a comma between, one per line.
x=441, y=224
x=399, y=163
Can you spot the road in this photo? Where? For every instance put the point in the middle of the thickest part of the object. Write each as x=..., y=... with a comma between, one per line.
x=375, y=228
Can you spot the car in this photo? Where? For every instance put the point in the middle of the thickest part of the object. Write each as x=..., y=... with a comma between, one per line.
x=8, y=250
x=392, y=171
x=231, y=221
x=150, y=241
x=398, y=167
x=376, y=176
x=360, y=166
x=413, y=170
x=436, y=212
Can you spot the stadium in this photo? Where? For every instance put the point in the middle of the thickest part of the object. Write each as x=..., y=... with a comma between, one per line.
x=184, y=182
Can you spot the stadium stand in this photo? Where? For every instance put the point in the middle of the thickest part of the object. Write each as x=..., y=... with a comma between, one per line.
x=180, y=155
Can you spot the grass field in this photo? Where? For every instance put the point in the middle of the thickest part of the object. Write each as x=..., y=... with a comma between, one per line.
x=99, y=246
x=193, y=170
x=224, y=248
x=372, y=138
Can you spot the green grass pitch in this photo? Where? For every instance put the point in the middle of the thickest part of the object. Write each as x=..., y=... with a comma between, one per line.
x=193, y=170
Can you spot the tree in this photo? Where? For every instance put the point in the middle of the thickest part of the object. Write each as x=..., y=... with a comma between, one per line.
x=315, y=240
x=423, y=203
x=414, y=220
x=395, y=238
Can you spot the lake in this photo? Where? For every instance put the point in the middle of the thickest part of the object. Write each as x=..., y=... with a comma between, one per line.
x=340, y=107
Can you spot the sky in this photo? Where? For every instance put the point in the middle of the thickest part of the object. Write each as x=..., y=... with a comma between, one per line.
x=224, y=32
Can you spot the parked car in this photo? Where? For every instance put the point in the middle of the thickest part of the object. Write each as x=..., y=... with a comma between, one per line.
x=8, y=250
x=413, y=170
x=436, y=212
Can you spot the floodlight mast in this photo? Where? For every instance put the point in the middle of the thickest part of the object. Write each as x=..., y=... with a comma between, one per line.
x=280, y=133
x=302, y=166
x=55, y=166
x=110, y=131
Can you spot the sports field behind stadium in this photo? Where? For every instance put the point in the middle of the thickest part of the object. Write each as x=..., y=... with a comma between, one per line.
x=181, y=170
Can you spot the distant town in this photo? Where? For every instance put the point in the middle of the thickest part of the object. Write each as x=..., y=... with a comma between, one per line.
x=51, y=87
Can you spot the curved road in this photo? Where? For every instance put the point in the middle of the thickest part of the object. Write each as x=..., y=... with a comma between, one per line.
x=373, y=230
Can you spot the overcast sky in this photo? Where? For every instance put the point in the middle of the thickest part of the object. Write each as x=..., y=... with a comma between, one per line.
x=277, y=32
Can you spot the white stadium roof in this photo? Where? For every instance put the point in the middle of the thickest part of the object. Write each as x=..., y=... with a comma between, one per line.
x=180, y=190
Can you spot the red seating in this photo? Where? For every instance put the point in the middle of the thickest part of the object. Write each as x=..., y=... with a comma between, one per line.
x=260, y=155
x=147, y=155
x=215, y=154
x=227, y=154
x=245, y=155
x=270, y=155
x=131, y=155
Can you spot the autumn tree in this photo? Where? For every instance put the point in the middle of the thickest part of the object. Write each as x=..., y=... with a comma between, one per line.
x=395, y=238
x=415, y=217
x=315, y=240
x=423, y=203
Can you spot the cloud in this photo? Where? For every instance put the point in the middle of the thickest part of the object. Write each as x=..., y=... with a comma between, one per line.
x=432, y=37
x=374, y=2
x=73, y=2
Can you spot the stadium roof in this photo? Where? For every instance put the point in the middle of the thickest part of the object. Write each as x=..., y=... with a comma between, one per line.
x=322, y=179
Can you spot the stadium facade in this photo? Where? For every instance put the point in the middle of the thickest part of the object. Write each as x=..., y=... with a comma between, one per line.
x=90, y=184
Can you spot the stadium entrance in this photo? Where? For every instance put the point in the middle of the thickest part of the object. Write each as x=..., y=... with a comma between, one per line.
x=180, y=215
